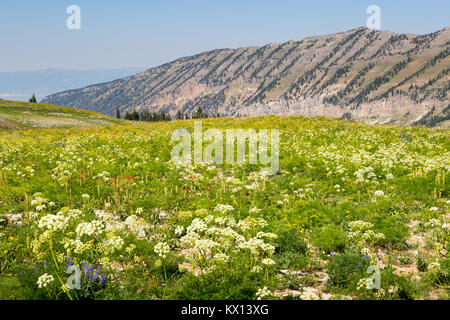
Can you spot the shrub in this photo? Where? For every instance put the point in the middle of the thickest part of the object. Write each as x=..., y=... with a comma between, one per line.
x=394, y=230
x=346, y=269
x=330, y=239
x=422, y=265
x=291, y=241
x=220, y=284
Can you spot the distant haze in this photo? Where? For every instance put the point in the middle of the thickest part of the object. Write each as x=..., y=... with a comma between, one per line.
x=21, y=85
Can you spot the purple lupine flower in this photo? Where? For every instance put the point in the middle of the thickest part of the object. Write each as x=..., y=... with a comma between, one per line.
x=365, y=257
x=45, y=263
x=84, y=266
x=102, y=280
x=69, y=261
x=89, y=273
x=97, y=273
x=359, y=264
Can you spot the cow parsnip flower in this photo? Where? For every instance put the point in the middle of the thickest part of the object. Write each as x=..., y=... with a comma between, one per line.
x=45, y=280
x=162, y=249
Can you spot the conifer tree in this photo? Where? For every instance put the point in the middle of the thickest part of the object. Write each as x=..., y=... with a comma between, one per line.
x=33, y=99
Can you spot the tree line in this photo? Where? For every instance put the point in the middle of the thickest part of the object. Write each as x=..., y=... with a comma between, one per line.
x=146, y=115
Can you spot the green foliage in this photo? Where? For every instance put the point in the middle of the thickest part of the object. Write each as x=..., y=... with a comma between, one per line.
x=421, y=263
x=330, y=238
x=229, y=284
x=291, y=241
x=393, y=228
x=346, y=269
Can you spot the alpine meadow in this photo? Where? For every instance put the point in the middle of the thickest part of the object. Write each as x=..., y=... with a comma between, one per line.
x=226, y=157
x=109, y=199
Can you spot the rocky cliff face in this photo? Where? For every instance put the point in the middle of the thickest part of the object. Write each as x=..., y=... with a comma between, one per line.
x=374, y=76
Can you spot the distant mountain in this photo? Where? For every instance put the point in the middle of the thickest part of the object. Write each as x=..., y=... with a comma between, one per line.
x=21, y=85
x=374, y=76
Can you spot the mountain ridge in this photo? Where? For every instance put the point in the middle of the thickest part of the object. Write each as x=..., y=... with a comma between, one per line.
x=373, y=76
x=20, y=85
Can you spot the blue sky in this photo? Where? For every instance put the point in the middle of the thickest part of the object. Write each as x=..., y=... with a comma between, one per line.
x=146, y=33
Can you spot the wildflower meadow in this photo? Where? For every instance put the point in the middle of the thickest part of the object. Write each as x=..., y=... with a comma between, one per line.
x=353, y=212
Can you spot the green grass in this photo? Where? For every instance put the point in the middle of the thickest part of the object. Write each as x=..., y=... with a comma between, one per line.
x=10, y=288
x=23, y=115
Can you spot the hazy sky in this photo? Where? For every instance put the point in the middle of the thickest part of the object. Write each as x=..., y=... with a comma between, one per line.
x=146, y=33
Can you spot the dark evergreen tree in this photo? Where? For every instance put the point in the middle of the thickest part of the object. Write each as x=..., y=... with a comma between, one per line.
x=145, y=116
x=117, y=113
x=199, y=114
x=33, y=99
x=135, y=115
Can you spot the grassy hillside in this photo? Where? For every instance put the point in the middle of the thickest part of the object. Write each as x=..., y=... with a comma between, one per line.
x=23, y=115
x=109, y=200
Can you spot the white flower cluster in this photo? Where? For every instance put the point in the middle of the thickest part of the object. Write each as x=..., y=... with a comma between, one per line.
x=77, y=246
x=137, y=225
x=105, y=175
x=268, y=262
x=162, y=249
x=110, y=245
x=364, y=284
x=379, y=193
x=45, y=280
x=256, y=269
x=263, y=293
x=434, y=266
x=197, y=225
x=251, y=223
x=359, y=225
x=360, y=233
x=179, y=230
x=366, y=172
x=72, y=213
x=54, y=222
x=215, y=240
x=38, y=200
x=433, y=223
x=221, y=257
x=222, y=221
x=256, y=245
x=266, y=235
x=254, y=210
x=223, y=208
x=13, y=218
x=94, y=227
